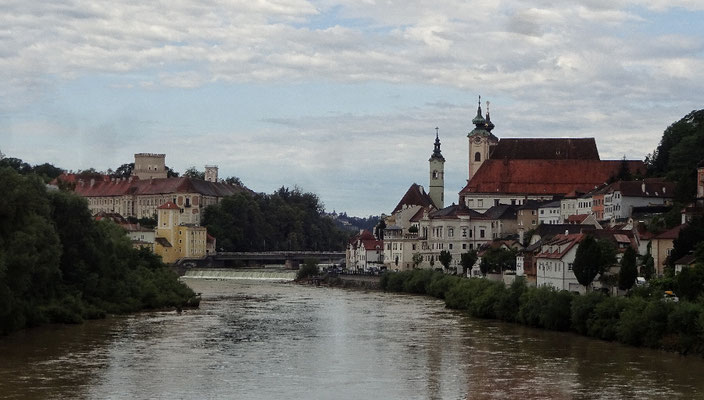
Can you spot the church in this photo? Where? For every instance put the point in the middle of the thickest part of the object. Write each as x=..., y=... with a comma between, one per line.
x=511, y=171
x=501, y=173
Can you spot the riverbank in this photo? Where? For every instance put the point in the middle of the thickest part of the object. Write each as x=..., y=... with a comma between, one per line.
x=642, y=320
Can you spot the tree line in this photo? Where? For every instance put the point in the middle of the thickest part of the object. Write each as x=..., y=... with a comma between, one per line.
x=59, y=265
x=287, y=219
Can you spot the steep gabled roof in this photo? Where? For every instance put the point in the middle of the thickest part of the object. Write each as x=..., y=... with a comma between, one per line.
x=415, y=196
x=454, y=211
x=501, y=211
x=543, y=177
x=546, y=149
x=559, y=240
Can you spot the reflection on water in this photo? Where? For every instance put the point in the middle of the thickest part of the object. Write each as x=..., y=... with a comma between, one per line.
x=263, y=341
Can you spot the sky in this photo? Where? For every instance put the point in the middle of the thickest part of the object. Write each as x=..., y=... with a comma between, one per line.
x=338, y=97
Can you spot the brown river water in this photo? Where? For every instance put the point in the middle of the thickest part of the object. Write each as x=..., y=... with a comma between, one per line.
x=263, y=340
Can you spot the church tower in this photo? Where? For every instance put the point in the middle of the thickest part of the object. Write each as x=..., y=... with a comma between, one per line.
x=481, y=140
x=437, y=175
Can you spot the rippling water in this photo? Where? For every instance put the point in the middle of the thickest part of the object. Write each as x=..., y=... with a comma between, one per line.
x=265, y=341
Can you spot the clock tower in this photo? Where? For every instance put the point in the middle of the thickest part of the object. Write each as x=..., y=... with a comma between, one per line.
x=481, y=140
x=437, y=175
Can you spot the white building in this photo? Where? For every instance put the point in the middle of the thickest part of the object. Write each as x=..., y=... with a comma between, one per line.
x=555, y=262
x=364, y=251
x=549, y=213
x=621, y=197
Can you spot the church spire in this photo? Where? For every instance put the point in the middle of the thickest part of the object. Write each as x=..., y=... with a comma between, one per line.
x=480, y=124
x=436, y=151
x=479, y=120
x=489, y=124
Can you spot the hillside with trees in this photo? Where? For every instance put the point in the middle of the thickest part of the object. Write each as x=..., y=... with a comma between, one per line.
x=284, y=220
x=679, y=152
x=59, y=265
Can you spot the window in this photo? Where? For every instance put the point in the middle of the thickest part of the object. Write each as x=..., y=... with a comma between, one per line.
x=480, y=203
x=464, y=232
x=477, y=156
x=413, y=246
x=450, y=246
x=481, y=233
x=464, y=246
x=450, y=232
x=496, y=202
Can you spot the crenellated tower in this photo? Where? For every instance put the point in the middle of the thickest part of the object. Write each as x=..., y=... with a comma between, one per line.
x=437, y=175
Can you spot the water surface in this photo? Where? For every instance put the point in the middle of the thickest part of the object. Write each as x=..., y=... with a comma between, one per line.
x=261, y=340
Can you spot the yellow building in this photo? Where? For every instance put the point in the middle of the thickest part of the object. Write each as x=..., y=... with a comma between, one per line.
x=176, y=240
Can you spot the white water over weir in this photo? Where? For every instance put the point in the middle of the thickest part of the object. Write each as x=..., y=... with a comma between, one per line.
x=246, y=274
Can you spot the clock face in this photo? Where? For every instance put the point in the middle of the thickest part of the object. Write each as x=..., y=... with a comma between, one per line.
x=477, y=140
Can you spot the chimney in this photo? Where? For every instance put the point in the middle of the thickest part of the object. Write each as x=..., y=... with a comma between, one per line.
x=92, y=182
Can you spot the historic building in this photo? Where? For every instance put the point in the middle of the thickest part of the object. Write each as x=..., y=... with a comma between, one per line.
x=510, y=171
x=148, y=188
x=364, y=251
x=176, y=239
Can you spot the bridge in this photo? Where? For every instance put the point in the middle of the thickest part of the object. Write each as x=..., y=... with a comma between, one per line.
x=291, y=259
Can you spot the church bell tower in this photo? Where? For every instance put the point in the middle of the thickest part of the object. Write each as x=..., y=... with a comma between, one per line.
x=437, y=175
x=481, y=140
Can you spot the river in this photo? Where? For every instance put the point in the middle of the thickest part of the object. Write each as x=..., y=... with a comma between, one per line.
x=262, y=340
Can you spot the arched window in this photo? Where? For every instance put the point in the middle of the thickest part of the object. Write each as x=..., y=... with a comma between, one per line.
x=435, y=174
x=477, y=156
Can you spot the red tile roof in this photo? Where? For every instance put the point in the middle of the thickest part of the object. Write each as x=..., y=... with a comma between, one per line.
x=543, y=177
x=645, y=188
x=169, y=205
x=577, y=219
x=558, y=240
x=415, y=196
x=155, y=186
x=546, y=149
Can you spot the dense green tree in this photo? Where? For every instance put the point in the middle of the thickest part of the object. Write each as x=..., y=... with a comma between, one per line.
x=123, y=171
x=591, y=259
x=233, y=180
x=170, y=173
x=285, y=220
x=689, y=237
x=647, y=270
x=678, y=153
x=628, y=272
x=445, y=258
x=58, y=265
x=690, y=282
x=467, y=260
x=498, y=259
x=193, y=172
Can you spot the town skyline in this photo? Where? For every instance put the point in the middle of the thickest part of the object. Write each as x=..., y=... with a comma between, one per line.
x=341, y=99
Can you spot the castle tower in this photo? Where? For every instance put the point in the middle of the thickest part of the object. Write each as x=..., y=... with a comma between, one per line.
x=211, y=173
x=480, y=140
x=437, y=175
x=149, y=166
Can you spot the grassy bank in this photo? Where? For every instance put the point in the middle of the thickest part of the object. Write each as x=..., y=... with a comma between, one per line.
x=642, y=319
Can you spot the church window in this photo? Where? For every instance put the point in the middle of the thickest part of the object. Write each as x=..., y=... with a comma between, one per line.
x=435, y=174
x=477, y=156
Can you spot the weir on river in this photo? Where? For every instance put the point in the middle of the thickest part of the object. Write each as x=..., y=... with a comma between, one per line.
x=279, y=275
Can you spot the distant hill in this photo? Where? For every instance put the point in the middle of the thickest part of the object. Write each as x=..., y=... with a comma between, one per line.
x=343, y=221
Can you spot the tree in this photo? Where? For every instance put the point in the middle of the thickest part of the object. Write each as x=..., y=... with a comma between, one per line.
x=624, y=172
x=589, y=261
x=170, y=173
x=233, y=180
x=689, y=237
x=445, y=258
x=123, y=171
x=628, y=272
x=647, y=270
x=379, y=229
x=417, y=259
x=467, y=260
x=192, y=172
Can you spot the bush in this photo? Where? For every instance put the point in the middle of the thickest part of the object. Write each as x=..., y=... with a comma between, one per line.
x=684, y=329
x=441, y=284
x=309, y=268
x=604, y=321
x=506, y=308
x=583, y=310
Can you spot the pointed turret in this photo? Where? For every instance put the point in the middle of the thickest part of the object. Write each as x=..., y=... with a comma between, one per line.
x=489, y=124
x=479, y=122
x=436, y=151
x=437, y=174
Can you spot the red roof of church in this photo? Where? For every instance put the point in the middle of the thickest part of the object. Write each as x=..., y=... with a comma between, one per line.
x=546, y=149
x=551, y=177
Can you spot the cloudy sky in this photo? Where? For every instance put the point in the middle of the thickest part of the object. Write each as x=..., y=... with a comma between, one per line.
x=339, y=97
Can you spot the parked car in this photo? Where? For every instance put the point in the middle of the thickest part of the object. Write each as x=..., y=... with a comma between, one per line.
x=670, y=296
